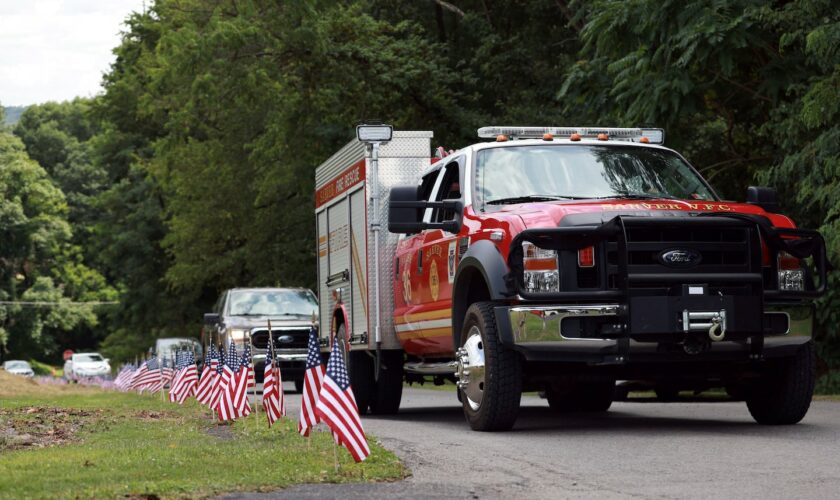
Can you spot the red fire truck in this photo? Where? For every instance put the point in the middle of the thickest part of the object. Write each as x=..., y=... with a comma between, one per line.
x=560, y=260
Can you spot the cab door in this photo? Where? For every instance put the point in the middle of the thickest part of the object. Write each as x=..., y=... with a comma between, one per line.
x=427, y=325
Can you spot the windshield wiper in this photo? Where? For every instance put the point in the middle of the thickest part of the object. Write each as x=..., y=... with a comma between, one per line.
x=646, y=196
x=533, y=197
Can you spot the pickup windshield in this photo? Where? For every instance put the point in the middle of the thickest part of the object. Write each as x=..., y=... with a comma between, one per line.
x=272, y=303
x=517, y=174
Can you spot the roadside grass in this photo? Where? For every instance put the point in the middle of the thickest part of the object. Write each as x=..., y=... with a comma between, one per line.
x=130, y=444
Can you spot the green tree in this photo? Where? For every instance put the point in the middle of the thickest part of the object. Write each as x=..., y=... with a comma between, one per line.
x=37, y=259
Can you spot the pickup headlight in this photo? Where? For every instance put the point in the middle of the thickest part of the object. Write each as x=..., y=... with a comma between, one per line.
x=542, y=272
x=237, y=334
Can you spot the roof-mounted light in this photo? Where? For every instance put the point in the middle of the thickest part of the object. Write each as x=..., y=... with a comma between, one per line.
x=374, y=132
x=653, y=135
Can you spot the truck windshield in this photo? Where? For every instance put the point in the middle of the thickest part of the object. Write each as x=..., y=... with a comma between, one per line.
x=517, y=174
x=87, y=358
x=272, y=303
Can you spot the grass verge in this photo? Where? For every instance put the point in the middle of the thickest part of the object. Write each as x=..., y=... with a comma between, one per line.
x=113, y=444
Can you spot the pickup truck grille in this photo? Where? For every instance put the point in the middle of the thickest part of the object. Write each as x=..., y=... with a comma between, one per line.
x=299, y=338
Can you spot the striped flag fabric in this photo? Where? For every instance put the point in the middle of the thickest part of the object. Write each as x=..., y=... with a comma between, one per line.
x=217, y=384
x=124, y=377
x=224, y=406
x=337, y=408
x=134, y=382
x=312, y=381
x=152, y=378
x=244, y=375
x=208, y=376
x=272, y=398
x=179, y=364
x=187, y=380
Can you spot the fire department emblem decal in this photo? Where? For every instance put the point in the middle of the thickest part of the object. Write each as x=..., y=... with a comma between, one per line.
x=434, y=280
x=406, y=281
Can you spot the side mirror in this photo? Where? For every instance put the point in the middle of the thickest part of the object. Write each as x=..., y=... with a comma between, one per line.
x=211, y=319
x=405, y=212
x=764, y=197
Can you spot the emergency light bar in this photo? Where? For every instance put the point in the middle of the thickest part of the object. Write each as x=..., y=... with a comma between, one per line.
x=652, y=135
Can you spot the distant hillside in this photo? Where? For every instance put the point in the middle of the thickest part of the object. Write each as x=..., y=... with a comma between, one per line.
x=12, y=114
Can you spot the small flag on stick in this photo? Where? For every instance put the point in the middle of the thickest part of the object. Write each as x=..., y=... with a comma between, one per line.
x=337, y=408
x=312, y=380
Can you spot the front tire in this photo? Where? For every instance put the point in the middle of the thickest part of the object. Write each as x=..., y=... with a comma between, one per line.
x=783, y=392
x=490, y=375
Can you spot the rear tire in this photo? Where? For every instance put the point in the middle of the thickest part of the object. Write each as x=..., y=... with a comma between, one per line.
x=388, y=394
x=783, y=392
x=584, y=397
x=491, y=399
x=360, y=366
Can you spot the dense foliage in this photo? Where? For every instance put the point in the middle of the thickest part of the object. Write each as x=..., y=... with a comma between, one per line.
x=193, y=171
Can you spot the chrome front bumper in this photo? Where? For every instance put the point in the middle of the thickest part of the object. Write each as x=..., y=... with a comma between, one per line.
x=541, y=324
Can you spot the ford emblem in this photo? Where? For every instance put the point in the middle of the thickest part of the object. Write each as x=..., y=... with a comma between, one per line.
x=286, y=339
x=680, y=257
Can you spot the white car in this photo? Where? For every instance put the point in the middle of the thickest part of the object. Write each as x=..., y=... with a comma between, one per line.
x=19, y=367
x=86, y=364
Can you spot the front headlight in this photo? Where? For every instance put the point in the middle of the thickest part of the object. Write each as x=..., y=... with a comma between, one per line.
x=237, y=334
x=542, y=271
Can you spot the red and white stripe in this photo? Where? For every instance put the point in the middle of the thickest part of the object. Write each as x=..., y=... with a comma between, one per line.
x=205, y=385
x=312, y=381
x=242, y=406
x=186, y=384
x=272, y=401
x=338, y=410
x=224, y=406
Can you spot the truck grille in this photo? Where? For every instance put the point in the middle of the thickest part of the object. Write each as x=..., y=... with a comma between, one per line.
x=299, y=338
x=721, y=250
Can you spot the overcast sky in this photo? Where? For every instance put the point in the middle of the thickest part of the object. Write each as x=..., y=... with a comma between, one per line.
x=54, y=50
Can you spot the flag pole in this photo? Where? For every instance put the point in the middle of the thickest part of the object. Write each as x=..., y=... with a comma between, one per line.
x=256, y=402
x=335, y=453
x=162, y=382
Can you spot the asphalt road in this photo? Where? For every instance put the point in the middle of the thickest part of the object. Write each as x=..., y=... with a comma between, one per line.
x=636, y=450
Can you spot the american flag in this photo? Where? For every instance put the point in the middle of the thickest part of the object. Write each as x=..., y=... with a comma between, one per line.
x=151, y=380
x=208, y=376
x=272, y=398
x=124, y=377
x=225, y=408
x=337, y=406
x=186, y=381
x=216, y=395
x=134, y=382
x=173, y=385
x=312, y=380
x=243, y=377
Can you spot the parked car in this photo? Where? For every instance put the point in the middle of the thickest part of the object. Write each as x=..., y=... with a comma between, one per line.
x=19, y=367
x=166, y=348
x=86, y=364
x=243, y=313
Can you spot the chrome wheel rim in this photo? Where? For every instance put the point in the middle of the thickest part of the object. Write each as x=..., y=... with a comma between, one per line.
x=470, y=370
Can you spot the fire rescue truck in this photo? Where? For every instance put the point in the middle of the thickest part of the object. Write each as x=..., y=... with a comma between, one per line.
x=560, y=260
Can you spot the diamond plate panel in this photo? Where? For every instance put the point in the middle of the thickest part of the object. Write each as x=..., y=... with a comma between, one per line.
x=401, y=162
